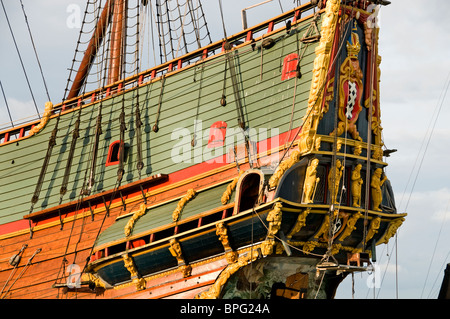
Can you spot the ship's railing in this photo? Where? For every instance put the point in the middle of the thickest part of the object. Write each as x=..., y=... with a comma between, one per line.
x=244, y=37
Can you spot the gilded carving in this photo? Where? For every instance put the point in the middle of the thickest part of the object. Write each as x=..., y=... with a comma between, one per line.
x=334, y=179
x=301, y=221
x=283, y=167
x=311, y=181
x=319, y=75
x=222, y=233
x=323, y=230
x=357, y=182
x=177, y=212
x=44, y=120
x=230, y=188
x=274, y=219
x=175, y=250
x=140, y=283
x=375, y=184
x=91, y=278
x=350, y=90
x=214, y=291
x=350, y=225
x=373, y=228
x=130, y=224
x=309, y=246
x=357, y=150
x=392, y=229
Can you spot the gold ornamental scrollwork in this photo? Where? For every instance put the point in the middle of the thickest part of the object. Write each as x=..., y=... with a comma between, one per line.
x=183, y=201
x=139, y=282
x=391, y=230
x=311, y=181
x=319, y=76
x=283, y=167
x=230, y=188
x=175, y=250
x=214, y=291
x=300, y=223
x=222, y=233
x=274, y=218
x=44, y=120
x=130, y=224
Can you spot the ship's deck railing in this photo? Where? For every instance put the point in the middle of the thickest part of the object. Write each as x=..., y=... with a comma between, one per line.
x=249, y=35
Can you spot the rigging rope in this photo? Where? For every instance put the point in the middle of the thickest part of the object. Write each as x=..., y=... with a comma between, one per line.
x=35, y=52
x=21, y=61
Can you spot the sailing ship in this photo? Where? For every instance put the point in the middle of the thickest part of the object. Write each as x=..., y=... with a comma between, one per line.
x=249, y=167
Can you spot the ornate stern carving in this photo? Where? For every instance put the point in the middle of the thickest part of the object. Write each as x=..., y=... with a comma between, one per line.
x=375, y=184
x=214, y=291
x=222, y=233
x=274, y=219
x=357, y=182
x=334, y=179
x=373, y=228
x=44, y=120
x=301, y=221
x=350, y=90
x=392, y=229
x=130, y=225
x=230, y=188
x=175, y=250
x=311, y=181
x=283, y=167
x=177, y=212
x=319, y=76
x=350, y=225
x=139, y=282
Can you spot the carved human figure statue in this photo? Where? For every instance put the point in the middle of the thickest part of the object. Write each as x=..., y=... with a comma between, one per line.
x=334, y=178
x=310, y=182
x=375, y=184
x=357, y=182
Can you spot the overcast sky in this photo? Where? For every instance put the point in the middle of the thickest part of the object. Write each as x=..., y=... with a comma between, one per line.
x=415, y=50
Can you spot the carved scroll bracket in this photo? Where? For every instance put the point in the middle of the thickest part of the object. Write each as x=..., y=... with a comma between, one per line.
x=175, y=250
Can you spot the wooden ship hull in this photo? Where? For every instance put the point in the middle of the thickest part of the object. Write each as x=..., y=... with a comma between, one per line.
x=241, y=170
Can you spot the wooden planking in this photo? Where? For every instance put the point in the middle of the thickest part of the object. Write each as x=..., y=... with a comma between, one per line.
x=156, y=148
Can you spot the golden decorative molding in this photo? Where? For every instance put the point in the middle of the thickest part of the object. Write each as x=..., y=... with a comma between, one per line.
x=319, y=76
x=44, y=119
x=222, y=233
x=177, y=212
x=283, y=167
x=375, y=183
x=350, y=225
x=334, y=179
x=301, y=221
x=91, y=278
x=230, y=188
x=274, y=218
x=130, y=224
x=311, y=181
x=323, y=230
x=392, y=229
x=373, y=228
x=175, y=250
x=356, y=185
x=139, y=282
x=214, y=291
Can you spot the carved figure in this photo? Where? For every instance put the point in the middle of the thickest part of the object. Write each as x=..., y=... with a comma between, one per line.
x=334, y=178
x=376, y=183
x=311, y=181
x=357, y=182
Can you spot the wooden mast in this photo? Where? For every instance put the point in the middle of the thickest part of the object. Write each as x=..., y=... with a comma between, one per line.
x=116, y=42
x=91, y=51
